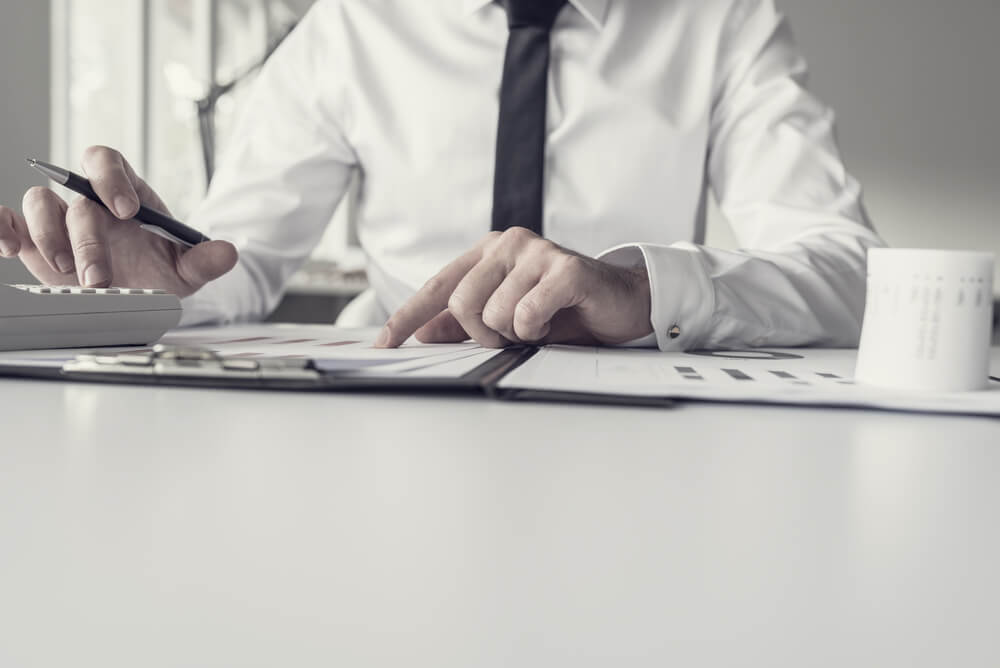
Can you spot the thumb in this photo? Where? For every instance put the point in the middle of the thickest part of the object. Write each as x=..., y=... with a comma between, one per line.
x=206, y=262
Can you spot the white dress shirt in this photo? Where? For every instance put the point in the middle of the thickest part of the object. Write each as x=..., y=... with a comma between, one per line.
x=650, y=103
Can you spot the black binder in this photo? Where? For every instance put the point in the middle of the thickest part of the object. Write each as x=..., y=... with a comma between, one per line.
x=195, y=367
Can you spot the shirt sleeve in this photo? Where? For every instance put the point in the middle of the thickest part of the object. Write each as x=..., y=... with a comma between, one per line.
x=286, y=169
x=774, y=167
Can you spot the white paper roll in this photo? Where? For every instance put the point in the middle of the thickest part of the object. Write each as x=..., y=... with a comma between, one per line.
x=928, y=320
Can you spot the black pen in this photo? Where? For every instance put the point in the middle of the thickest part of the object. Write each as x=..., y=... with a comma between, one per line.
x=149, y=219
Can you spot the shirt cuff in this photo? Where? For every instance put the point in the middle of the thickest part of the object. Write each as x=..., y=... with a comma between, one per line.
x=682, y=298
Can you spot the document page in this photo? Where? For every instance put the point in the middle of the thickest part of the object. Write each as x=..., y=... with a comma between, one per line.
x=332, y=349
x=782, y=376
x=335, y=349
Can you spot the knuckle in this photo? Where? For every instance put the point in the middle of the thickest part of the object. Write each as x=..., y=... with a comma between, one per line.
x=546, y=246
x=518, y=235
x=540, y=250
x=35, y=196
x=434, y=284
x=530, y=322
x=495, y=319
x=568, y=266
x=48, y=239
x=88, y=247
x=527, y=312
x=458, y=304
x=81, y=206
x=98, y=153
x=491, y=241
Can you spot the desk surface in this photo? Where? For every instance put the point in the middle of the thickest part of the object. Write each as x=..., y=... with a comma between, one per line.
x=171, y=527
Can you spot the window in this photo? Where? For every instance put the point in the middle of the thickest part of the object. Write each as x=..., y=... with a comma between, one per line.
x=129, y=73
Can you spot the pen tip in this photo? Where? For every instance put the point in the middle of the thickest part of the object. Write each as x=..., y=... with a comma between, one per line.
x=32, y=161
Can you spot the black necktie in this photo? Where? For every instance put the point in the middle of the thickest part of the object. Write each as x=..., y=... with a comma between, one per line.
x=517, y=184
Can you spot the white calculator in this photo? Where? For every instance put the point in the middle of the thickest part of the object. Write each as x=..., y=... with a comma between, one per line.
x=46, y=316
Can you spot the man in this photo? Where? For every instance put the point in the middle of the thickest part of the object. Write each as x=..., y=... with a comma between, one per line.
x=584, y=134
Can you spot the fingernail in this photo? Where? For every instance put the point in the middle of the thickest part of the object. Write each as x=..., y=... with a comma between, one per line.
x=6, y=249
x=124, y=207
x=64, y=262
x=94, y=276
x=383, y=338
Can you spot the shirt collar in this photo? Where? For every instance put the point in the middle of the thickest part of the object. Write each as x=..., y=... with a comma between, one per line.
x=595, y=11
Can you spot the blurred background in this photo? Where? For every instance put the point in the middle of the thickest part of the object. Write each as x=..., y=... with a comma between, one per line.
x=915, y=84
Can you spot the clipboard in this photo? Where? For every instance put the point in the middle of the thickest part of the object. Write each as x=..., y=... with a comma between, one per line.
x=193, y=367
x=565, y=374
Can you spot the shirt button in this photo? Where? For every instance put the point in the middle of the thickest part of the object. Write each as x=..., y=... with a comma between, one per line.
x=674, y=332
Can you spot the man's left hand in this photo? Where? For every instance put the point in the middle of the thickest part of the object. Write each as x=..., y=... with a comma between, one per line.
x=516, y=287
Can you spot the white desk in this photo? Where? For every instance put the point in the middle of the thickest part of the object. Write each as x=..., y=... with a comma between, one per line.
x=168, y=527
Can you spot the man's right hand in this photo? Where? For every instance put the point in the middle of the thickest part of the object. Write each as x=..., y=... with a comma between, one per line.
x=81, y=243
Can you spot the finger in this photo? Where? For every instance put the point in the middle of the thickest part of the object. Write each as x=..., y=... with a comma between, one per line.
x=147, y=195
x=442, y=329
x=10, y=244
x=87, y=223
x=498, y=314
x=45, y=217
x=469, y=299
x=206, y=262
x=560, y=288
x=428, y=302
x=105, y=167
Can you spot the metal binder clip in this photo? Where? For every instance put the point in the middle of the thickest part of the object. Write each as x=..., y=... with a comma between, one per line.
x=132, y=364
x=168, y=362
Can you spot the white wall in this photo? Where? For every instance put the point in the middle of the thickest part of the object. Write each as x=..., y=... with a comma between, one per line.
x=24, y=109
x=916, y=84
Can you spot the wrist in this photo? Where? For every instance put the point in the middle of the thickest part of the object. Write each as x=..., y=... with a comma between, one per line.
x=642, y=301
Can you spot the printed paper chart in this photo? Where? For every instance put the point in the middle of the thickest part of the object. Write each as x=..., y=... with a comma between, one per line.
x=786, y=376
